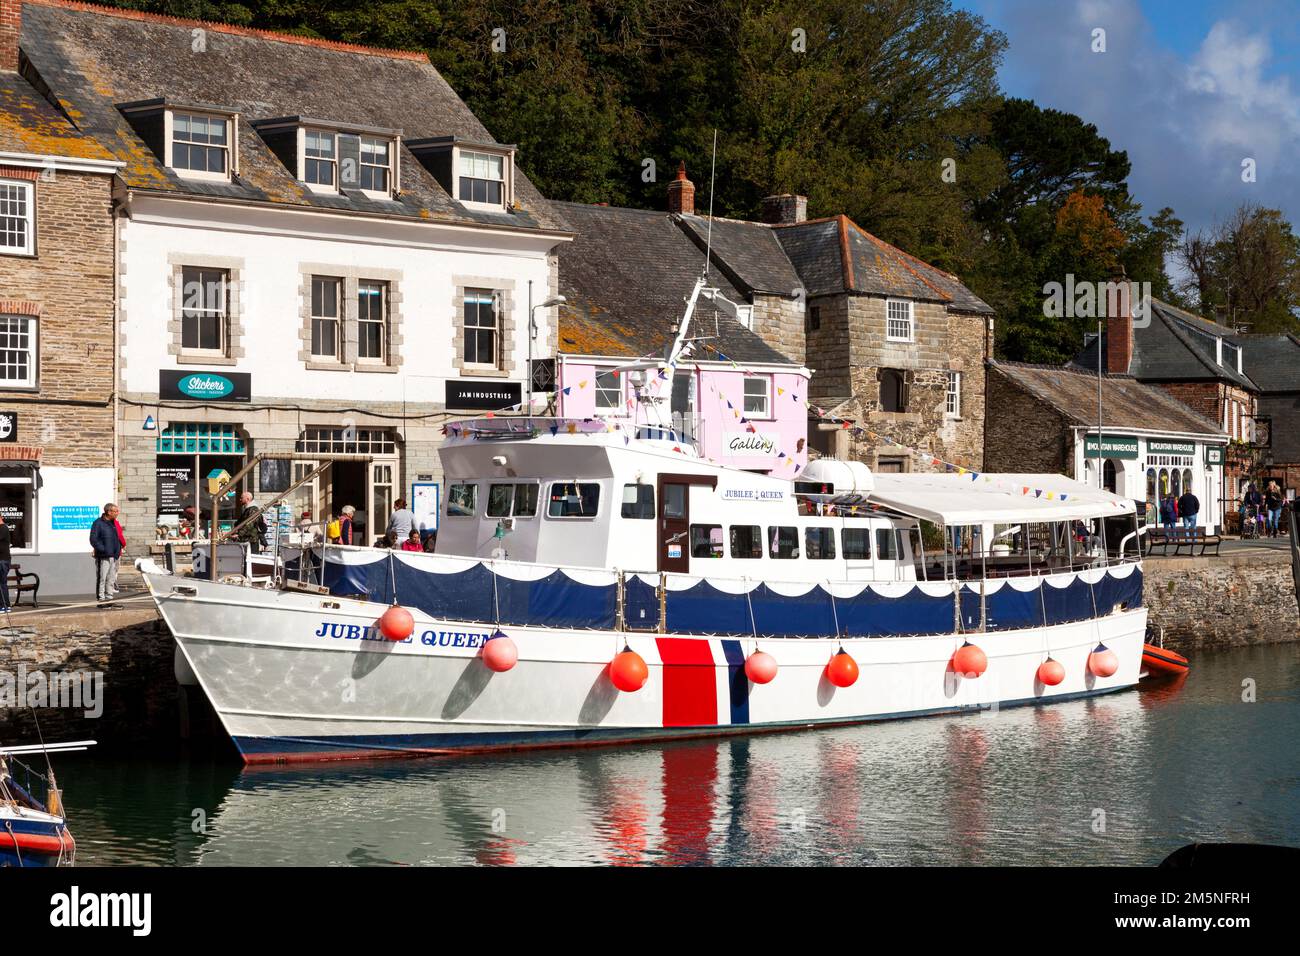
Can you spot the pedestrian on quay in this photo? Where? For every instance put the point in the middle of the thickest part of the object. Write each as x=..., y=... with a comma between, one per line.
x=121, y=538
x=1168, y=513
x=253, y=533
x=107, y=547
x=346, y=515
x=402, y=520
x=6, y=557
x=412, y=542
x=1273, y=501
x=431, y=542
x=1189, y=506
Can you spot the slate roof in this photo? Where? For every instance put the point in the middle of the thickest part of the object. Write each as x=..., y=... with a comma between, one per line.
x=836, y=255
x=1272, y=361
x=29, y=124
x=95, y=58
x=748, y=252
x=1126, y=402
x=1177, y=346
x=627, y=274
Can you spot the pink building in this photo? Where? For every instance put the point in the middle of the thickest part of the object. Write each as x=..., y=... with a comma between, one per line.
x=627, y=276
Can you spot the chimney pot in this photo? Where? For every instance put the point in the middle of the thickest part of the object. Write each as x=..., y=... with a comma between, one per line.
x=681, y=193
x=785, y=209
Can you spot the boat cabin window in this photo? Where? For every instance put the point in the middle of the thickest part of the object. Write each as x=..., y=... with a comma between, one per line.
x=783, y=542
x=706, y=541
x=674, y=501
x=574, y=499
x=819, y=543
x=462, y=500
x=887, y=546
x=856, y=544
x=746, y=541
x=638, y=501
x=505, y=500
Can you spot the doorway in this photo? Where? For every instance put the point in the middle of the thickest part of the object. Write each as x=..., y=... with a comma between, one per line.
x=347, y=486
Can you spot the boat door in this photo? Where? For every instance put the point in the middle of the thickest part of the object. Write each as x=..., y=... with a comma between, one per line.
x=675, y=520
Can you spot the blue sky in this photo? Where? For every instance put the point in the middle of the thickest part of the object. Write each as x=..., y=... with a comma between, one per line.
x=1189, y=89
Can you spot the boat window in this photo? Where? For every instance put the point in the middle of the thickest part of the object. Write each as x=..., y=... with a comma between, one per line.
x=462, y=501
x=819, y=543
x=886, y=544
x=500, y=498
x=525, y=501
x=638, y=501
x=783, y=542
x=856, y=543
x=706, y=541
x=574, y=499
x=674, y=501
x=746, y=541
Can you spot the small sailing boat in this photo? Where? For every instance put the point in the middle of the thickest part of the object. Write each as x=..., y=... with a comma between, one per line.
x=32, y=832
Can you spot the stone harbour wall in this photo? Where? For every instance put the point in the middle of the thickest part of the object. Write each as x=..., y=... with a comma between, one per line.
x=1234, y=599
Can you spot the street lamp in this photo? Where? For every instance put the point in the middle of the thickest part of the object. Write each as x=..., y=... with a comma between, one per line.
x=532, y=334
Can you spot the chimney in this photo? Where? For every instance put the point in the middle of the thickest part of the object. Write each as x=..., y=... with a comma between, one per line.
x=1119, y=324
x=11, y=24
x=785, y=209
x=681, y=193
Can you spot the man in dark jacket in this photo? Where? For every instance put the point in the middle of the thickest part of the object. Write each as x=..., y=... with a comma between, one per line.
x=6, y=556
x=1189, y=506
x=255, y=531
x=108, y=548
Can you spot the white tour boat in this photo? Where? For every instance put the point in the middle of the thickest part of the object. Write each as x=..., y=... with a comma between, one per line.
x=596, y=583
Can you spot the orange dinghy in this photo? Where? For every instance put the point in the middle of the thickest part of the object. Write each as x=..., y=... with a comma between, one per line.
x=1162, y=663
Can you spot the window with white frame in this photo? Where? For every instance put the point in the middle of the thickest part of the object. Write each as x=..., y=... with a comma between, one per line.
x=758, y=397
x=376, y=164
x=200, y=143
x=745, y=315
x=481, y=327
x=17, y=351
x=482, y=178
x=609, y=390
x=204, y=313
x=17, y=217
x=320, y=158
x=326, y=293
x=952, y=403
x=372, y=320
x=898, y=320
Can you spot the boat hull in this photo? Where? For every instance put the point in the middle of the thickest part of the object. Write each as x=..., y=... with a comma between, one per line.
x=300, y=677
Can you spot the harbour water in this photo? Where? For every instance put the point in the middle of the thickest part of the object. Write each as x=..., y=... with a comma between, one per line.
x=1123, y=779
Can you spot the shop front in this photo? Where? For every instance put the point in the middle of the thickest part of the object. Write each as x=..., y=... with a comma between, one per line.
x=1147, y=466
x=370, y=487
x=188, y=454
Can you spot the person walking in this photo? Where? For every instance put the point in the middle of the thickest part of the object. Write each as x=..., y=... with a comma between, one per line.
x=1189, y=506
x=1168, y=514
x=107, y=547
x=6, y=558
x=1273, y=507
x=253, y=533
x=346, y=515
x=121, y=537
x=402, y=520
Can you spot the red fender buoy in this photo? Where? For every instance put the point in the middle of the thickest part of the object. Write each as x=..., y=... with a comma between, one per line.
x=842, y=670
x=1051, y=672
x=500, y=653
x=1103, y=661
x=628, y=670
x=970, y=661
x=397, y=624
x=760, y=667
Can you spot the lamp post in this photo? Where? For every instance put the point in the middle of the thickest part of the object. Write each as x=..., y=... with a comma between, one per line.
x=532, y=334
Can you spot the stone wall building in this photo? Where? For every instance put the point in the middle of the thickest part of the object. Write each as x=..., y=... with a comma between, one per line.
x=1273, y=364
x=57, y=347
x=892, y=342
x=1044, y=419
x=320, y=251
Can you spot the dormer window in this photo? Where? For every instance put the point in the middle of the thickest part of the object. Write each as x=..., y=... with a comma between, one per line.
x=320, y=159
x=376, y=164
x=482, y=178
x=194, y=140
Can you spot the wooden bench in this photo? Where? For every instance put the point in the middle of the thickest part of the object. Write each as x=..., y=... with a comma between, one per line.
x=1159, y=538
x=1191, y=537
x=22, y=582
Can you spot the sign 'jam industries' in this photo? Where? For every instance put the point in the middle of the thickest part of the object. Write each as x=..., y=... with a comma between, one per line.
x=482, y=396
x=205, y=386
